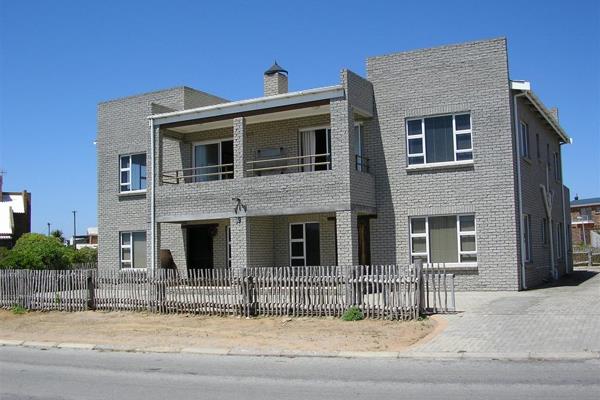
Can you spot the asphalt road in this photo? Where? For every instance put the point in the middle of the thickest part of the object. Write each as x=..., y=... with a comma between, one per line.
x=80, y=374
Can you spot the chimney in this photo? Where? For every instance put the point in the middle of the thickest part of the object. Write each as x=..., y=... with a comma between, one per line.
x=275, y=80
x=554, y=112
x=576, y=197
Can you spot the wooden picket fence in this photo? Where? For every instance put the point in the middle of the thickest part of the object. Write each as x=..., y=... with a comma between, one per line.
x=387, y=291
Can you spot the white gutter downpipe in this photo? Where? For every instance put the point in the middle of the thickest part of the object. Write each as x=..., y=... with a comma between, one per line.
x=518, y=138
x=565, y=248
x=152, y=197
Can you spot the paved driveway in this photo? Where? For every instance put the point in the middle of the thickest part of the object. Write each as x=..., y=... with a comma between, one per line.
x=561, y=319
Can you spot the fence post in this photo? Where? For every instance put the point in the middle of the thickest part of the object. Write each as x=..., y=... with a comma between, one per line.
x=91, y=290
x=250, y=296
x=420, y=287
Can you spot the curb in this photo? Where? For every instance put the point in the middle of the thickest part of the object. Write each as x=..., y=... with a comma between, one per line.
x=244, y=352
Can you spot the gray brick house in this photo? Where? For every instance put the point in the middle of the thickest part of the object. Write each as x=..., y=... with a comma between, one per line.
x=436, y=155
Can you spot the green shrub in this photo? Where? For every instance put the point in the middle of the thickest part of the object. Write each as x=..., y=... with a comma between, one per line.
x=36, y=251
x=353, y=314
x=18, y=309
x=85, y=255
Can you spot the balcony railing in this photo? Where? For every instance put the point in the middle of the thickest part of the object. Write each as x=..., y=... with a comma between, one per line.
x=286, y=165
x=362, y=163
x=198, y=174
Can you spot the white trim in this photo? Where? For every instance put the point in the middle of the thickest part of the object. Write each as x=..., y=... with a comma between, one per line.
x=422, y=137
x=519, y=187
x=459, y=234
x=444, y=164
x=260, y=103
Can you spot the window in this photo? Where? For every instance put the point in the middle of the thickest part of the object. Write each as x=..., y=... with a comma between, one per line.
x=443, y=239
x=556, y=166
x=527, y=236
x=213, y=160
x=524, y=134
x=439, y=139
x=133, y=172
x=537, y=145
x=315, y=149
x=228, y=246
x=359, y=148
x=305, y=244
x=133, y=250
x=544, y=231
x=559, y=240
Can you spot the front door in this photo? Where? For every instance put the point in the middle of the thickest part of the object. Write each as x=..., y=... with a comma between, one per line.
x=200, y=246
x=364, y=241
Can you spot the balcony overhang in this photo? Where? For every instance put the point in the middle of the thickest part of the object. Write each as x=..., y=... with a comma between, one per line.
x=288, y=105
x=525, y=88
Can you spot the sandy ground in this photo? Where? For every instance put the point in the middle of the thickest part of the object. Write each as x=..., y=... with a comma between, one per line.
x=150, y=330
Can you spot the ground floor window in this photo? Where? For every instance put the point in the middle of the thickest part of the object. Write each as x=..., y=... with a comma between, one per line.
x=305, y=244
x=443, y=239
x=133, y=249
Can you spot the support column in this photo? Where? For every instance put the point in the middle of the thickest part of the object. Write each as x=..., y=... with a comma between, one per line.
x=347, y=237
x=239, y=139
x=239, y=242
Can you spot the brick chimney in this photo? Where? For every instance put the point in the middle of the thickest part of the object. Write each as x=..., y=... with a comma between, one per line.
x=275, y=80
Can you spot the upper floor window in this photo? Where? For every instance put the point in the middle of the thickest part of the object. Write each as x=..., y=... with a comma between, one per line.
x=213, y=160
x=315, y=149
x=440, y=139
x=133, y=172
x=524, y=135
x=556, y=166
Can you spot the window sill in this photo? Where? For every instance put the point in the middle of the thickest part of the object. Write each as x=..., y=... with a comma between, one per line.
x=457, y=267
x=440, y=165
x=133, y=193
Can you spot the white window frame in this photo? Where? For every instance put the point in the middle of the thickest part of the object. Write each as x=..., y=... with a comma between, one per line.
x=220, y=151
x=524, y=138
x=129, y=246
x=455, y=134
x=527, y=237
x=459, y=234
x=303, y=240
x=228, y=245
x=128, y=170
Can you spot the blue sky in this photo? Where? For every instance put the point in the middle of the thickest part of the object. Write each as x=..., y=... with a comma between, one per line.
x=58, y=59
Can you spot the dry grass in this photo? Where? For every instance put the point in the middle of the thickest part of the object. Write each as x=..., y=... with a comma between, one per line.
x=152, y=330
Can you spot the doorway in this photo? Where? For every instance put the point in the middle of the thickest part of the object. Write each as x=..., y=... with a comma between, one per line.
x=364, y=240
x=200, y=246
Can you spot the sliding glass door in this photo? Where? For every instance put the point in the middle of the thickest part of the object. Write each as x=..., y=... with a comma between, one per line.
x=213, y=160
x=315, y=149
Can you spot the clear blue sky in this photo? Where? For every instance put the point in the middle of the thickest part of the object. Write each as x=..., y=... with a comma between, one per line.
x=58, y=59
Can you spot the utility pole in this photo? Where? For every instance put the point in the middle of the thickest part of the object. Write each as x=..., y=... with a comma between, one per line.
x=74, y=227
x=48, y=228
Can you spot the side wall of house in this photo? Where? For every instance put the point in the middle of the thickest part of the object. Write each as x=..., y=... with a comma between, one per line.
x=538, y=169
x=471, y=77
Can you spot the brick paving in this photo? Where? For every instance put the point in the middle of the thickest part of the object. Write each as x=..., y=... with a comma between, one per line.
x=564, y=318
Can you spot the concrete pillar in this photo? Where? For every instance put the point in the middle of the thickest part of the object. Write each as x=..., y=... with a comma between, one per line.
x=239, y=242
x=347, y=237
x=239, y=139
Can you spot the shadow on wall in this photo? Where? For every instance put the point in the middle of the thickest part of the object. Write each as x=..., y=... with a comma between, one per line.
x=575, y=278
x=383, y=228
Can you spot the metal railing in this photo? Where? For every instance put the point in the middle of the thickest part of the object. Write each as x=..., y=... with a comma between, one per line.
x=362, y=163
x=195, y=174
x=284, y=165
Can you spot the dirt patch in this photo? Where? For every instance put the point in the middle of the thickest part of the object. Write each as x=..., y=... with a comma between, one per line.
x=151, y=330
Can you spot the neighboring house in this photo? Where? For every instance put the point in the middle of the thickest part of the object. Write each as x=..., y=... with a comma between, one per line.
x=585, y=220
x=15, y=216
x=436, y=155
x=90, y=239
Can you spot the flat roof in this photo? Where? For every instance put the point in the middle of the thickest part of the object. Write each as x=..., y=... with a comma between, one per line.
x=249, y=105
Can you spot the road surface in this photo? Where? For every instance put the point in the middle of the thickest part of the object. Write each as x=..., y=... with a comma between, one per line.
x=80, y=374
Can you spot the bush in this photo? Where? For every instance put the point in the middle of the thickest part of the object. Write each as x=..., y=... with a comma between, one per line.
x=18, y=309
x=353, y=314
x=35, y=251
x=85, y=255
